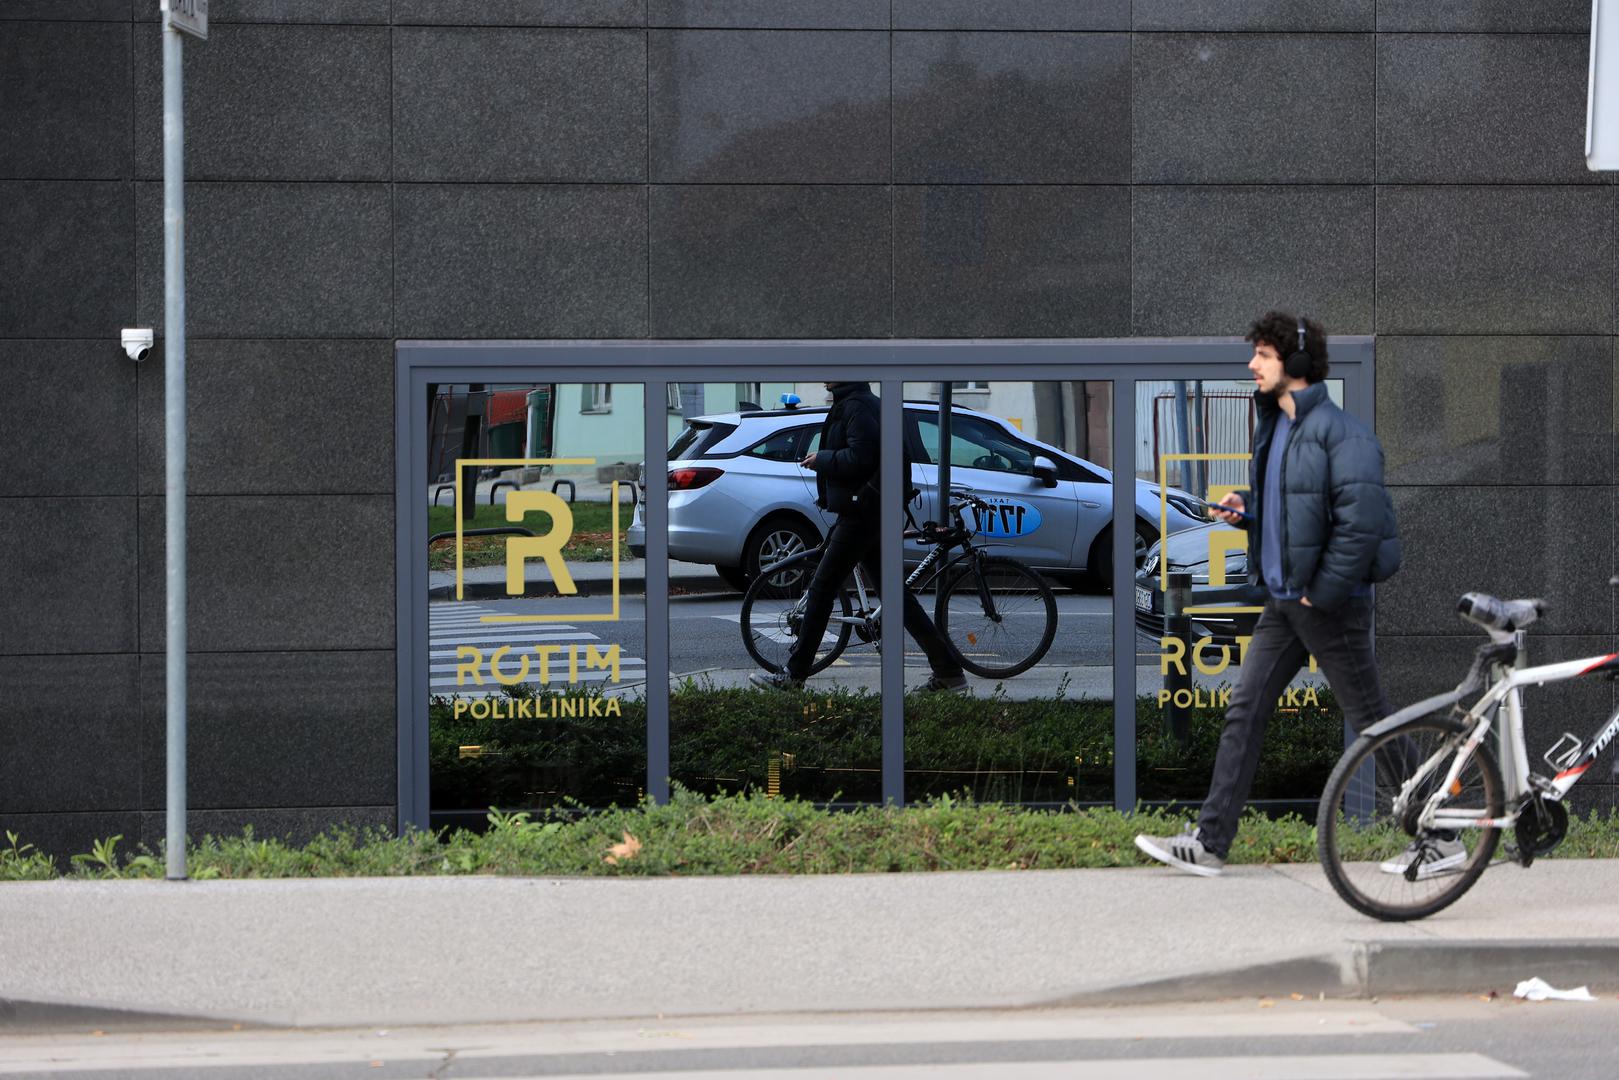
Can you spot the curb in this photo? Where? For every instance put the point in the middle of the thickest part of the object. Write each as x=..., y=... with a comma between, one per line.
x=18, y=1017
x=1370, y=969
x=1358, y=970
x=1409, y=967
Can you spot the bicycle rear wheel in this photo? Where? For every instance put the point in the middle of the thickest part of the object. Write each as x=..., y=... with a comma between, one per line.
x=1368, y=815
x=772, y=612
x=997, y=614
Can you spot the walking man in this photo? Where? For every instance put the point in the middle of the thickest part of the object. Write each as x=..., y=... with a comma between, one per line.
x=1321, y=530
x=847, y=484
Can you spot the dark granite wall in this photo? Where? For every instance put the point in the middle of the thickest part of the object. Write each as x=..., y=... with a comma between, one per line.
x=366, y=170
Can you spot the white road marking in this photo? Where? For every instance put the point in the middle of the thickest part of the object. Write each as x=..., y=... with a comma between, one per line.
x=1300, y=1067
x=69, y=1053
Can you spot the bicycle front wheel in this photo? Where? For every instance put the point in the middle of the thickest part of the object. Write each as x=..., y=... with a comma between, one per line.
x=998, y=615
x=1367, y=828
x=772, y=614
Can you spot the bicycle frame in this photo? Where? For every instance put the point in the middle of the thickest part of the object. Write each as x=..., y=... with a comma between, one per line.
x=1504, y=696
x=923, y=574
x=865, y=612
x=919, y=575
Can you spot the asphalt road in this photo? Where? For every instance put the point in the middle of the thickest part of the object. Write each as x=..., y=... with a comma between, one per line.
x=1246, y=1039
x=706, y=645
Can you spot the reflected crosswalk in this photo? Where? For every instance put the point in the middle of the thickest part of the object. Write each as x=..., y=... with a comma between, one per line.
x=452, y=626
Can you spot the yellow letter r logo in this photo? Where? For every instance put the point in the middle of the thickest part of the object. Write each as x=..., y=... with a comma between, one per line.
x=547, y=547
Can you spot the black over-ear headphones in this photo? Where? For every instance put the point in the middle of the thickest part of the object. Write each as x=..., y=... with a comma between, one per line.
x=1298, y=363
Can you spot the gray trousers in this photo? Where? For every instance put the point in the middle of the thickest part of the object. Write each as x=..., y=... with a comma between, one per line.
x=1288, y=633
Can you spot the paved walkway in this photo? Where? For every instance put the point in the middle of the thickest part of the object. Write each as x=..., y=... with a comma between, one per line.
x=456, y=950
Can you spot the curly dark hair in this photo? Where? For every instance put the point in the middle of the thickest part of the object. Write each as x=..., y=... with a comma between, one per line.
x=1280, y=330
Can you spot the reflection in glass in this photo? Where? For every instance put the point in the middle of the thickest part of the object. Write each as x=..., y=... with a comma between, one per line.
x=747, y=521
x=1196, y=608
x=1028, y=611
x=537, y=622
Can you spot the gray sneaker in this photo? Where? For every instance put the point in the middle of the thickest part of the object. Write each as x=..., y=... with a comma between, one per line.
x=1184, y=852
x=775, y=680
x=943, y=684
x=1436, y=857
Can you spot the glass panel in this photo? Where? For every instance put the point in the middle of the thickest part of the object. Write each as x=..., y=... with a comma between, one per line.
x=1194, y=440
x=1024, y=606
x=537, y=613
x=740, y=501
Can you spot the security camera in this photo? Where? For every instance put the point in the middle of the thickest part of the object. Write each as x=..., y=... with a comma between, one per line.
x=137, y=342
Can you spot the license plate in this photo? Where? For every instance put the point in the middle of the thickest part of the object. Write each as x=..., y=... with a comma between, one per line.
x=1143, y=599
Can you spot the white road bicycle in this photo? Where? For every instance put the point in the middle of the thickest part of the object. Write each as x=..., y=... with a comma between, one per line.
x=1416, y=807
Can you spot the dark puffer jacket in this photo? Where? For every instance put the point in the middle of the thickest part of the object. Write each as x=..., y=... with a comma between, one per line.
x=846, y=463
x=1338, y=528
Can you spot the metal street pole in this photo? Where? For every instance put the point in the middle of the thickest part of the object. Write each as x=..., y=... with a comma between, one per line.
x=174, y=438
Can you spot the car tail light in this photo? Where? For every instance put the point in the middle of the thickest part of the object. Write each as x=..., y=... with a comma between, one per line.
x=691, y=479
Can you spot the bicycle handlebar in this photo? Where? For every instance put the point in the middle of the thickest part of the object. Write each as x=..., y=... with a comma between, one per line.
x=960, y=497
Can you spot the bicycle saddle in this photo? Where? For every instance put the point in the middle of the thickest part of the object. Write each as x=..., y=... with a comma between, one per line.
x=1505, y=615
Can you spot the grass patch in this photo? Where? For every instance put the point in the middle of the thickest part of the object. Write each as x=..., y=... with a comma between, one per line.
x=20, y=862
x=591, y=541
x=735, y=834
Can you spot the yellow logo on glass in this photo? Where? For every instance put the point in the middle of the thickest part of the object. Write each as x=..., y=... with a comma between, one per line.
x=546, y=548
x=1221, y=541
x=519, y=549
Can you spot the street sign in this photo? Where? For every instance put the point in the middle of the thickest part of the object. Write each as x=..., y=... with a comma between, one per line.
x=187, y=16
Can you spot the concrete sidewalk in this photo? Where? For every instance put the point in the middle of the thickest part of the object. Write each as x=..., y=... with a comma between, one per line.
x=457, y=950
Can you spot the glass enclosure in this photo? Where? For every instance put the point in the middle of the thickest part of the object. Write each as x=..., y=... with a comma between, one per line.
x=525, y=673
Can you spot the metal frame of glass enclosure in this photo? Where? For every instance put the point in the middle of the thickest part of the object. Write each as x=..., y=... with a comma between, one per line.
x=890, y=364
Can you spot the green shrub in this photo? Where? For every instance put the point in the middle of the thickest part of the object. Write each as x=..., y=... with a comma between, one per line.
x=827, y=745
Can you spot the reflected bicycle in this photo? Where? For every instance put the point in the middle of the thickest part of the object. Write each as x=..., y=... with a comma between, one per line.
x=1416, y=807
x=997, y=615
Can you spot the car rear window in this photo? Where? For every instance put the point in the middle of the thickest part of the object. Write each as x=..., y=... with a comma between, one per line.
x=696, y=439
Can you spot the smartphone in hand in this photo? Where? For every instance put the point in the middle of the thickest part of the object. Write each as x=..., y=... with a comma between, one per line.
x=1224, y=509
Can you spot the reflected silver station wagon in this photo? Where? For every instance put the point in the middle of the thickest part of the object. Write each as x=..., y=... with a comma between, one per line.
x=739, y=500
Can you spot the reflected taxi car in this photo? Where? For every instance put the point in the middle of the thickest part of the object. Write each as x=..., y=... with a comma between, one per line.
x=739, y=500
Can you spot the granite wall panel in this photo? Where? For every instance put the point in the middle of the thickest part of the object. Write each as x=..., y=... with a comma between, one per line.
x=272, y=103
x=64, y=101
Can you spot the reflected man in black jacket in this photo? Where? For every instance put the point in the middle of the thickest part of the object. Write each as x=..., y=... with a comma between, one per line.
x=847, y=484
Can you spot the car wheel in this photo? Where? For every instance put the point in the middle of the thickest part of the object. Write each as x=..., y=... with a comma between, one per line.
x=734, y=576
x=776, y=539
x=1100, y=568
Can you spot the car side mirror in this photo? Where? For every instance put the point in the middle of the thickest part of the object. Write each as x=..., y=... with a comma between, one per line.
x=1045, y=471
